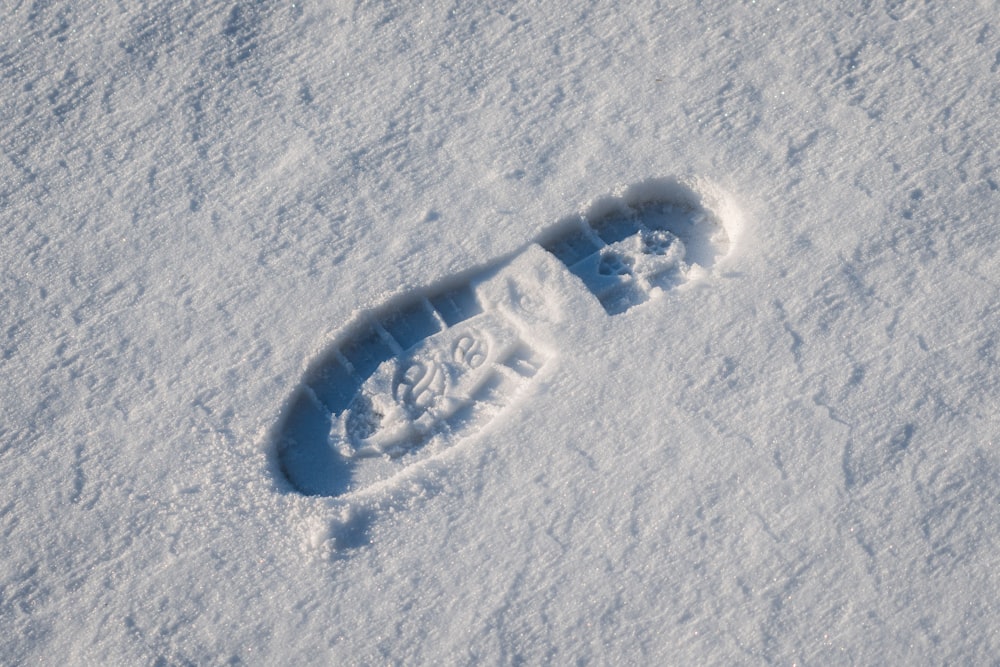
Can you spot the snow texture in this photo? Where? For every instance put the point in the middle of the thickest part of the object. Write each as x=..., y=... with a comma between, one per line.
x=499, y=332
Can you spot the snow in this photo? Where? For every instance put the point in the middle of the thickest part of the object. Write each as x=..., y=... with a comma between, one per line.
x=785, y=456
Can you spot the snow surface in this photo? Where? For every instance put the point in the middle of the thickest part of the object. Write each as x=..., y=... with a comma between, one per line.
x=790, y=459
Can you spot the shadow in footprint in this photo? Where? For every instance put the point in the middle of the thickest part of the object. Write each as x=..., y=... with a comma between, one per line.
x=648, y=237
x=316, y=458
x=304, y=453
x=435, y=365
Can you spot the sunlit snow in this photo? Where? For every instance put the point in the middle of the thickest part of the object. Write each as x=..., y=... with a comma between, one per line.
x=499, y=333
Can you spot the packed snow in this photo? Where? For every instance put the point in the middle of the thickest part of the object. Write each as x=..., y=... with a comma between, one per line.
x=750, y=418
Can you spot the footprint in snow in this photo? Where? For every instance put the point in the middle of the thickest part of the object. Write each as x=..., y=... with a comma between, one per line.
x=406, y=381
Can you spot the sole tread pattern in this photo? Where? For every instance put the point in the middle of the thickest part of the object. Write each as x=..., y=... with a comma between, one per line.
x=411, y=380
